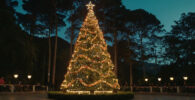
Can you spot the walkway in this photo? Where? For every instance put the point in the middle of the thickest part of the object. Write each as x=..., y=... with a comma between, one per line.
x=162, y=97
x=43, y=96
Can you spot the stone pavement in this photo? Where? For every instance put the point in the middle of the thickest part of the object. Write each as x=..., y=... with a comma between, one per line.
x=162, y=97
x=23, y=96
x=43, y=96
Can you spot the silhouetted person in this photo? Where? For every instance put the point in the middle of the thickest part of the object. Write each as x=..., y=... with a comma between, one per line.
x=2, y=82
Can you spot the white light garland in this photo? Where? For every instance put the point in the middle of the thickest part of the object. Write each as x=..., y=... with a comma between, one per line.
x=98, y=62
x=103, y=92
x=78, y=92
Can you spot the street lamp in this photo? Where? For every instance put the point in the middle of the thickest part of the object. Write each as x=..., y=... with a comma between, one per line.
x=146, y=79
x=16, y=76
x=29, y=77
x=185, y=78
x=171, y=78
x=159, y=79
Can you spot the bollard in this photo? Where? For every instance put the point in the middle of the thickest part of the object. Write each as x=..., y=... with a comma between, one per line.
x=150, y=89
x=12, y=88
x=47, y=88
x=161, y=90
x=34, y=88
x=131, y=88
x=178, y=90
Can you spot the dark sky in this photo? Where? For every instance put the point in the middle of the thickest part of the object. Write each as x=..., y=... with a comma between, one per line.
x=167, y=11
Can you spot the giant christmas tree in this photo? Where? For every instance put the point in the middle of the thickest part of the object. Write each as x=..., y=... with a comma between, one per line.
x=90, y=68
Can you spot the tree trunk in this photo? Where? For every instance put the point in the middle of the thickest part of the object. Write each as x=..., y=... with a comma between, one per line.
x=142, y=56
x=130, y=68
x=55, y=48
x=115, y=54
x=71, y=42
x=55, y=52
x=49, y=57
x=156, y=61
x=131, y=75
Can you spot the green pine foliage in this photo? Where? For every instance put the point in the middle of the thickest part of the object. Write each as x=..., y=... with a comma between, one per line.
x=90, y=67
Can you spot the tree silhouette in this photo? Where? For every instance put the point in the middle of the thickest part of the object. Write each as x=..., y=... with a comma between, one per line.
x=180, y=50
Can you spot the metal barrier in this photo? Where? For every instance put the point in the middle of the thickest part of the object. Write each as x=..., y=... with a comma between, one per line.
x=162, y=89
x=146, y=89
x=20, y=88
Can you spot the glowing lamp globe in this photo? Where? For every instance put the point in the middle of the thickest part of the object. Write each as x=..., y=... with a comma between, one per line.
x=146, y=79
x=171, y=78
x=16, y=76
x=185, y=78
x=29, y=76
x=159, y=79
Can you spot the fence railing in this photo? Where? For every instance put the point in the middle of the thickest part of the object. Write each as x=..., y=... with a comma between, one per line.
x=20, y=88
x=146, y=89
x=162, y=89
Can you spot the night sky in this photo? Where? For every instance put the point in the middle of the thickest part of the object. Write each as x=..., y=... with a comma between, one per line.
x=167, y=11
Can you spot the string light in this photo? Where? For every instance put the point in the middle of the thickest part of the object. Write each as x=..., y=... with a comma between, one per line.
x=93, y=70
x=90, y=56
x=116, y=85
x=103, y=92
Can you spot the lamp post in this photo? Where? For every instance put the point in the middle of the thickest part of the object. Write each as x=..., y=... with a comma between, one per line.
x=159, y=80
x=146, y=80
x=29, y=77
x=185, y=78
x=171, y=79
x=16, y=76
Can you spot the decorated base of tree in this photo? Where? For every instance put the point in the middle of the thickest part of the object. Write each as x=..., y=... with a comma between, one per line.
x=91, y=67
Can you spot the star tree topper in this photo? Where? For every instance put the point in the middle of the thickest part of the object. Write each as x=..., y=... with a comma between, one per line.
x=90, y=6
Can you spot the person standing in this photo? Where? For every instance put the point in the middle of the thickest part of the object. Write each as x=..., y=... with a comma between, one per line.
x=2, y=82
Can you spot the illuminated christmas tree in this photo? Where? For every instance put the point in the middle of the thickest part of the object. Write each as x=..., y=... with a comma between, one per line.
x=90, y=68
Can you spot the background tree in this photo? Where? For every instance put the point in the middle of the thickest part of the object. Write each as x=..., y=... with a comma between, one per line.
x=47, y=16
x=180, y=50
x=146, y=26
x=16, y=57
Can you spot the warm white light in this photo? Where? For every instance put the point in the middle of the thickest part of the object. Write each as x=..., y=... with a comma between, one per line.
x=16, y=76
x=29, y=76
x=185, y=78
x=171, y=78
x=90, y=6
x=85, y=37
x=103, y=92
x=78, y=92
x=159, y=79
x=146, y=79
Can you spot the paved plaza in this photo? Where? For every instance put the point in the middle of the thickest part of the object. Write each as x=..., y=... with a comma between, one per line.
x=43, y=96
